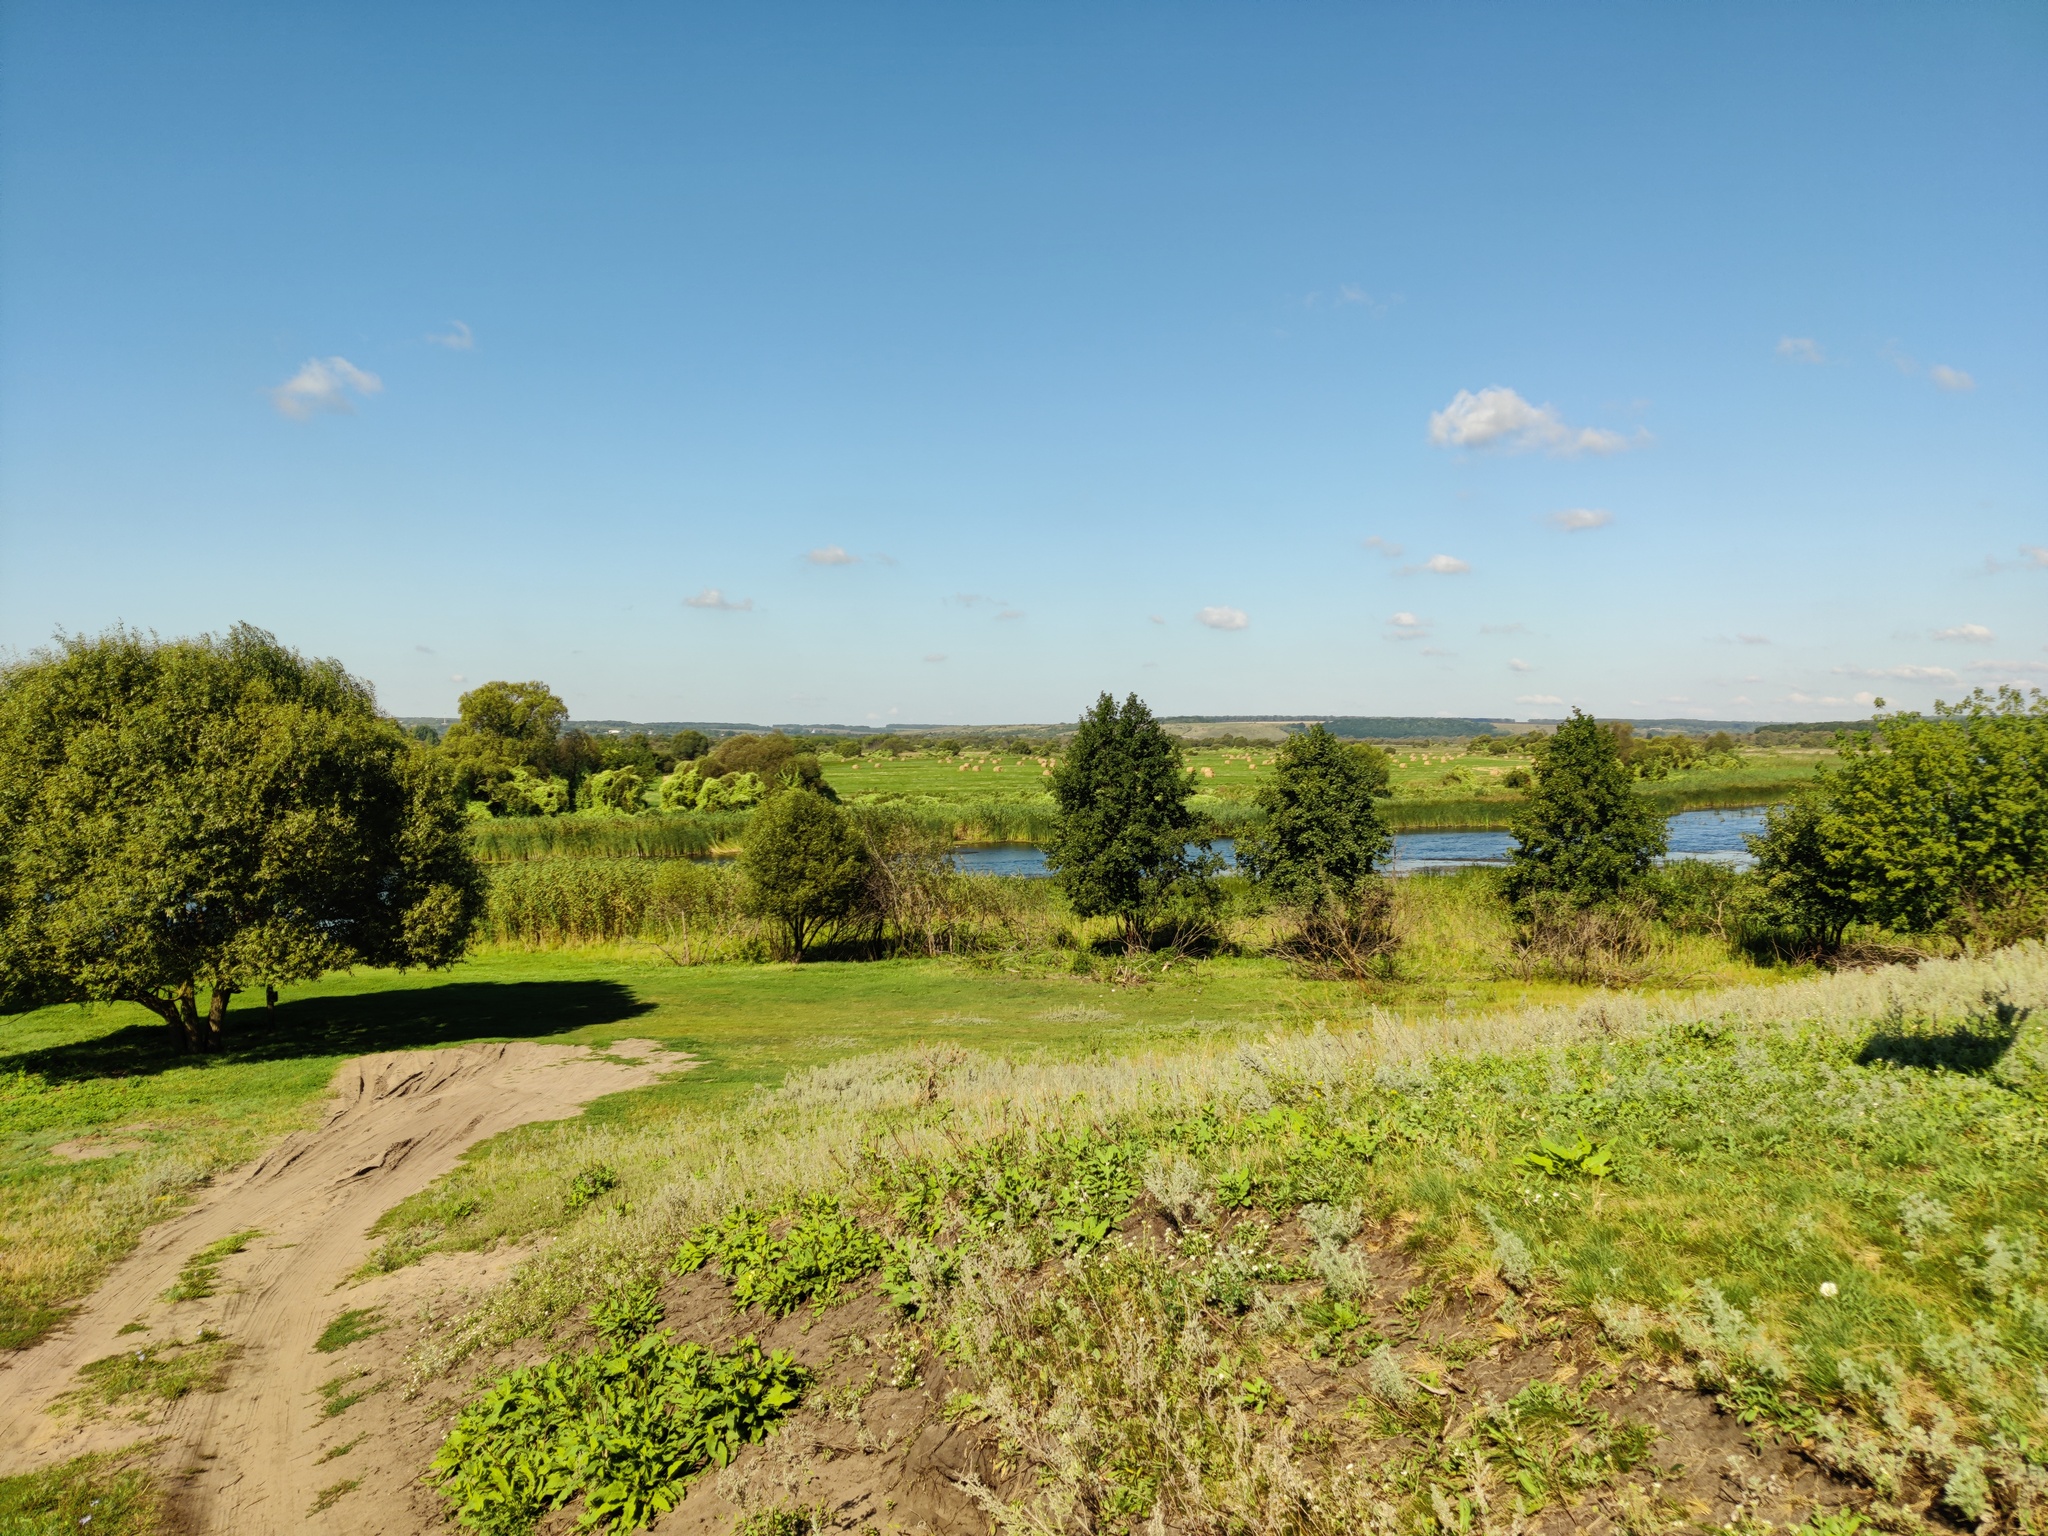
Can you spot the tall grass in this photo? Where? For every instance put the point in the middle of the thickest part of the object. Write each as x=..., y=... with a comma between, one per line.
x=514, y=839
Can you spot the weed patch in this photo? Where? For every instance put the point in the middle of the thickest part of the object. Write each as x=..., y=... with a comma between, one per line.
x=623, y=1430
x=202, y=1271
x=820, y=1252
x=110, y=1494
x=351, y=1327
x=164, y=1372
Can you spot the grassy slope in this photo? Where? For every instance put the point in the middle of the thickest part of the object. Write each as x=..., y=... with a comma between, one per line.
x=102, y=1074
x=1827, y=1198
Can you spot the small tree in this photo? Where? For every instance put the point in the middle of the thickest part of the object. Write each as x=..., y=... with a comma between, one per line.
x=1322, y=838
x=219, y=814
x=1120, y=843
x=503, y=727
x=806, y=865
x=1804, y=884
x=1585, y=835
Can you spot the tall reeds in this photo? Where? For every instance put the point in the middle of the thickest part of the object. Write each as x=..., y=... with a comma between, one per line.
x=513, y=839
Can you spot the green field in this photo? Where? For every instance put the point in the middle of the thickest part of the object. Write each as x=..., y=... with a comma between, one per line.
x=1001, y=796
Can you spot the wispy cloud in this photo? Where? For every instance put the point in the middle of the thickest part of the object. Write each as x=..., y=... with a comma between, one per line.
x=2009, y=668
x=1953, y=379
x=1387, y=549
x=1497, y=417
x=1516, y=664
x=1538, y=698
x=324, y=384
x=832, y=554
x=1907, y=674
x=1800, y=349
x=1224, y=618
x=1431, y=650
x=457, y=338
x=1504, y=629
x=2035, y=555
x=711, y=597
x=1579, y=519
x=1439, y=565
x=424, y=650
x=1157, y=618
x=935, y=656
x=1011, y=613
x=1968, y=634
x=1406, y=626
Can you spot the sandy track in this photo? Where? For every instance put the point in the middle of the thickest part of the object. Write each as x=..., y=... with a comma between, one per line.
x=399, y=1121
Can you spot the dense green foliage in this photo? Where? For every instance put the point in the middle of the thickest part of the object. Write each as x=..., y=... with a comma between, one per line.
x=820, y=1251
x=1584, y=836
x=806, y=865
x=621, y=1428
x=1925, y=825
x=1120, y=847
x=217, y=813
x=1323, y=833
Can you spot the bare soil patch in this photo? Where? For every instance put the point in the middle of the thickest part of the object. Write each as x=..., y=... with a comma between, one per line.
x=255, y=1454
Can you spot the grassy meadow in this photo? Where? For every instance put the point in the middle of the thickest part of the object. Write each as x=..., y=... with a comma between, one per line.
x=1000, y=796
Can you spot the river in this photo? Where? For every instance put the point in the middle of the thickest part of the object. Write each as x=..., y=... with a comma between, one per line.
x=1714, y=835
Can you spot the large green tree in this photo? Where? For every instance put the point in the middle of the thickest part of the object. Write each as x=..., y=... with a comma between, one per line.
x=1120, y=844
x=214, y=814
x=1926, y=824
x=1585, y=834
x=806, y=865
x=505, y=727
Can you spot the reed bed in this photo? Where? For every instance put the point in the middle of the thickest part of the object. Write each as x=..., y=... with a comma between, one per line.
x=515, y=839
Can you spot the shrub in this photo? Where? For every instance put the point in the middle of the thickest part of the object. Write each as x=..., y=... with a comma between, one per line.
x=1585, y=836
x=806, y=866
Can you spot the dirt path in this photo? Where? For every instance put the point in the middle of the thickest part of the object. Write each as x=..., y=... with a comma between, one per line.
x=250, y=1452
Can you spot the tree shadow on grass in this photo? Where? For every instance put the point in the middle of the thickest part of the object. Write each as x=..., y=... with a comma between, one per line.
x=402, y=1018
x=1973, y=1048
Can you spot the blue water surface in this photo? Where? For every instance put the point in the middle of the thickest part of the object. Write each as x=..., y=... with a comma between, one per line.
x=1713, y=835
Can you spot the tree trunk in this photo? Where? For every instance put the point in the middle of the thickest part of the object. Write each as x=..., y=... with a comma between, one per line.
x=188, y=1015
x=216, y=1015
x=270, y=1003
x=166, y=1009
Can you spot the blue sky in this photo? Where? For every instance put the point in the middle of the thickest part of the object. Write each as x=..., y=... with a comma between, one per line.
x=953, y=363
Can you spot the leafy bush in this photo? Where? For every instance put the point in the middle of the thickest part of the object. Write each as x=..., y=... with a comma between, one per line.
x=591, y=1181
x=821, y=1251
x=623, y=1429
x=1585, y=836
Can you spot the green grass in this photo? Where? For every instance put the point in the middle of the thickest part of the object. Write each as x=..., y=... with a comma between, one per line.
x=164, y=1371
x=202, y=1271
x=332, y=1494
x=351, y=1327
x=73, y=1070
x=336, y=1396
x=1822, y=1202
x=111, y=1493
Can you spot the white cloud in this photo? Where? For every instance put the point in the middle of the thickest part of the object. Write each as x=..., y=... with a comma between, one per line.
x=457, y=677
x=1516, y=664
x=1504, y=629
x=832, y=554
x=2009, y=667
x=1796, y=697
x=1969, y=634
x=1579, y=519
x=1800, y=349
x=1406, y=626
x=1158, y=618
x=1387, y=548
x=1224, y=618
x=1442, y=565
x=936, y=656
x=1431, y=650
x=1496, y=417
x=1747, y=639
x=1949, y=378
x=457, y=338
x=1538, y=698
x=2036, y=555
x=1904, y=674
x=711, y=597
x=323, y=384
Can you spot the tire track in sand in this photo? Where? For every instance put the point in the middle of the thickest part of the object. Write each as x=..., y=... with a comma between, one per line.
x=399, y=1121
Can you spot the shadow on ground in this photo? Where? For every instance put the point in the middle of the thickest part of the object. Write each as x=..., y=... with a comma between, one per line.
x=403, y=1018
